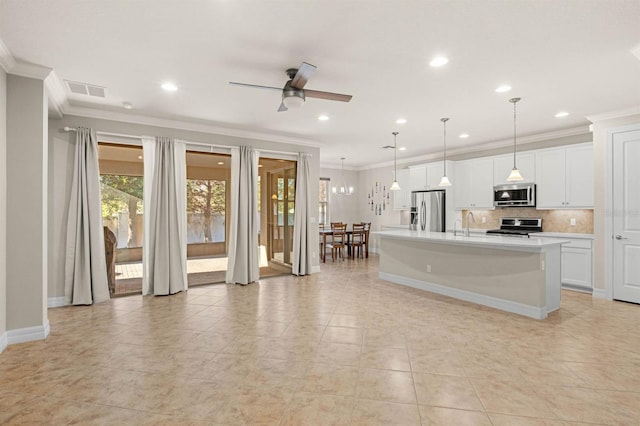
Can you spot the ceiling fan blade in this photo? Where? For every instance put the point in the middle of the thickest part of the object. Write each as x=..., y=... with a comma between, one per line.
x=282, y=108
x=256, y=86
x=303, y=74
x=327, y=95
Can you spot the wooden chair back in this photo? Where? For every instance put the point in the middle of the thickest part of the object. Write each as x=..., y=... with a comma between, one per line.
x=339, y=235
x=357, y=238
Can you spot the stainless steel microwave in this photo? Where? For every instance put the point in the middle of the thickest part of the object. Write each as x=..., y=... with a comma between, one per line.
x=514, y=195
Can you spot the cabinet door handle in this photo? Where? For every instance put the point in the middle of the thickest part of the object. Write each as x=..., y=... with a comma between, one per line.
x=620, y=237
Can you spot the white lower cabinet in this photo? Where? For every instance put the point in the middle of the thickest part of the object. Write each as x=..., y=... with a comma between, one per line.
x=576, y=264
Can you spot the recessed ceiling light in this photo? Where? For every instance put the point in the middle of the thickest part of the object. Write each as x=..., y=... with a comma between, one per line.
x=323, y=117
x=220, y=163
x=502, y=89
x=401, y=120
x=562, y=114
x=139, y=157
x=402, y=148
x=127, y=105
x=169, y=87
x=438, y=61
x=259, y=165
x=464, y=135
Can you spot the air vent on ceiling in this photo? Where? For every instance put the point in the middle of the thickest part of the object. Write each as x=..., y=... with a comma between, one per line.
x=387, y=147
x=86, y=89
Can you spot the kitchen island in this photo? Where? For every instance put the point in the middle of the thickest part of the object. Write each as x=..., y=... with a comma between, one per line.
x=519, y=275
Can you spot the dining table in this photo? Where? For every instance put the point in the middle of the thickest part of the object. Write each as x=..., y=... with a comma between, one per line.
x=329, y=232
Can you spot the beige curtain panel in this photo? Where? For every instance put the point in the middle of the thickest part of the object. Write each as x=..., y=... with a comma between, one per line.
x=302, y=233
x=165, y=217
x=85, y=265
x=244, y=259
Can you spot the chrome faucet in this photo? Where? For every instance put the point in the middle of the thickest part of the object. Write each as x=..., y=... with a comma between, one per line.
x=469, y=213
x=455, y=230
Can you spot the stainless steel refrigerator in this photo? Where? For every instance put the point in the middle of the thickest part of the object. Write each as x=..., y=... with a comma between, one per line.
x=428, y=211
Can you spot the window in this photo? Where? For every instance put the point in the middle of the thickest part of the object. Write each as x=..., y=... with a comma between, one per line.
x=323, y=213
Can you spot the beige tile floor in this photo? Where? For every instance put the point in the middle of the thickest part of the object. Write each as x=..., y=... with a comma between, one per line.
x=340, y=347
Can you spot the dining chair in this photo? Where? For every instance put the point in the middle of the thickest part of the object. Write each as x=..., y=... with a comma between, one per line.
x=338, y=240
x=367, y=228
x=357, y=240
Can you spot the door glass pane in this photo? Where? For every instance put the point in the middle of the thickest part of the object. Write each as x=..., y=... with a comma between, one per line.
x=121, y=187
x=207, y=210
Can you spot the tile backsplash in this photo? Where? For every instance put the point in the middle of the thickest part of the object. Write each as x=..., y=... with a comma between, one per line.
x=552, y=220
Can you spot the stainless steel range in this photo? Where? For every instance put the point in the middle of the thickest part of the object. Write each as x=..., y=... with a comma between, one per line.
x=518, y=226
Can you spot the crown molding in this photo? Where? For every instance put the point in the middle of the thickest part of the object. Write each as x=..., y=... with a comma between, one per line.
x=25, y=69
x=621, y=113
x=56, y=95
x=539, y=137
x=185, y=125
x=7, y=61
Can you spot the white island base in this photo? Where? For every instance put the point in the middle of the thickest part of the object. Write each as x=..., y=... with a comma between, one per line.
x=512, y=274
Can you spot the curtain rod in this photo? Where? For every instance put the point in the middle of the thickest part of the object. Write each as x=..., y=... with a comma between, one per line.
x=120, y=135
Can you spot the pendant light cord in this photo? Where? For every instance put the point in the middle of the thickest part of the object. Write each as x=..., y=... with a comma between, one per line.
x=444, y=161
x=514, y=101
x=395, y=150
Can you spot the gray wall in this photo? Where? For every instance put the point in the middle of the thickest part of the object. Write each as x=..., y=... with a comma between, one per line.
x=3, y=203
x=60, y=163
x=26, y=203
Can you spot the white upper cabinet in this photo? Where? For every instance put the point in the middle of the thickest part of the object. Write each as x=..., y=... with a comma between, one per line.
x=402, y=198
x=579, y=175
x=418, y=177
x=565, y=177
x=474, y=184
x=435, y=171
x=503, y=164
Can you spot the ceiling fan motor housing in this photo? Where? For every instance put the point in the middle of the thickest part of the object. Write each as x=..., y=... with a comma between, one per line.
x=292, y=97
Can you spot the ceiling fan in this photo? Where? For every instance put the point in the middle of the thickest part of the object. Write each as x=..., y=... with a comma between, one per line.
x=294, y=93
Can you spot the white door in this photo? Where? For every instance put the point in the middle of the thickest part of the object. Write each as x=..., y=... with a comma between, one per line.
x=626, y=220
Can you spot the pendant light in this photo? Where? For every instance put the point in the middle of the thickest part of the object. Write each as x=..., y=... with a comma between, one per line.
x=343, y=189
x=515, y=175
x=445, y=180
x=394, y=185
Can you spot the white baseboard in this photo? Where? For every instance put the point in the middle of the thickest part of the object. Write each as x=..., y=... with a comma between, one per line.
x=600, y=293
x=3, y=341
x=492, y=302
x=55, y=302
x=28, y=334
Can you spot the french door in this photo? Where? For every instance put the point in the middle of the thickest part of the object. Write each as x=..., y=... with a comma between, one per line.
x=281, y=212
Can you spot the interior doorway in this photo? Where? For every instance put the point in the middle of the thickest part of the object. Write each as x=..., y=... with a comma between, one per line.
x=277, y=212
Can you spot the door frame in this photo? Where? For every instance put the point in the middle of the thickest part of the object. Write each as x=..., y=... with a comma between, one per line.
x=608, y=217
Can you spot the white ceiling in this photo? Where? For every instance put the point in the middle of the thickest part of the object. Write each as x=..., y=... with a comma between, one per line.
x=572, y=55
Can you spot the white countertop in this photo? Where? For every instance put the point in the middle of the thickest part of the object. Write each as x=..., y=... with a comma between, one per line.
x=564, y=235
x=482, y=231
x=487, y=241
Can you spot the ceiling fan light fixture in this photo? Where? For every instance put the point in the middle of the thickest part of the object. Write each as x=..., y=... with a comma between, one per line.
x=293, y=98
